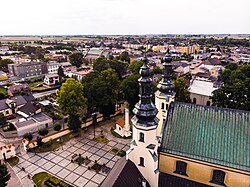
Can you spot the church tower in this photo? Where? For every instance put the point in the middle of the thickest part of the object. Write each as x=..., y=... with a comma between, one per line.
x=144, y=145
x=165, y=93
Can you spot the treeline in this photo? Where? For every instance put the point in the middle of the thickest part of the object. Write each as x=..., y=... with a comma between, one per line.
x=231, y=42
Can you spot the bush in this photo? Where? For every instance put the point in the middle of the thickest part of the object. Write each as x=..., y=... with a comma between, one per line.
x=43, y=131
x=57, y=126
x=28, y=136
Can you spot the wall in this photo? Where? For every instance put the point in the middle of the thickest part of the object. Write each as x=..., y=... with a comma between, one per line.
x=200, y=99
x=202, y=172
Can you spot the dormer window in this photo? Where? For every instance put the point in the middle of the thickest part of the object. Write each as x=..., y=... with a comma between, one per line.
x=141, y=137
x=181, y=168
x=218, y=177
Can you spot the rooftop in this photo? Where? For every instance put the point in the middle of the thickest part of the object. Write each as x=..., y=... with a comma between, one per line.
x=202, y=87
x=210, y=134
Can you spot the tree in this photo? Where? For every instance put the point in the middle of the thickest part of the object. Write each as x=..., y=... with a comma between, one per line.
x=130, y=90
x=70, y=97
x=124, y=56
x=60, y=72
x=74, y=122
x=181, y=90
x=28, y=136
x=57, y=126
x=76, y=59
x=156, y=70
x=71, y=100
x=43, y=131
x=2, y=119
x=4, y=64
x=135, y=66
x=4, y=175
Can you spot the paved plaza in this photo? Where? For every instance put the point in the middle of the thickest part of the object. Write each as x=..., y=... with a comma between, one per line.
x=59, y=163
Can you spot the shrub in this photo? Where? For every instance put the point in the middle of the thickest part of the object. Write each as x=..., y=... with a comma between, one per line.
x=43, y=131
x=57, y=126
x=28, y=136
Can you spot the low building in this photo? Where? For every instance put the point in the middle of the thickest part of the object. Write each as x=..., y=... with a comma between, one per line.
x=93, y=54
x=7, y=151
x=80, y=74
x=17, y=89
x=53, y=67
x=11, y=105
x=51, y=79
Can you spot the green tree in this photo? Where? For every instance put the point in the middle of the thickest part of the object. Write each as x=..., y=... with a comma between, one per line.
x=181, y=90
x=124, y=56
x=57, y=126
x=76, y=59
x=232, y=66
x=43, y=132
x=71, y=100
x=60, y=72
x=28, y=136
x=4, y=64
x=156, y=70
x=74, y=122
x=135, y=66
x=130, y=90
x=4, y=175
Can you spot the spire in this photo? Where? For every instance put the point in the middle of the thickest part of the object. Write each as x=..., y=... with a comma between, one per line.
x=166, y=85
x=145, y=111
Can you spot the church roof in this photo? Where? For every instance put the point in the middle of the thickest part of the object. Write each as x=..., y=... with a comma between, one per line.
x=120, y=122
x=210, y=134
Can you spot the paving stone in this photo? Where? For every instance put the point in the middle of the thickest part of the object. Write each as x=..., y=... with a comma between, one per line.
x=72, y=149
x=43, y=154
x=103, y=161
x=72, y=166
x=89, y=174
x=31, y=168
x=48, y=165
x=111, y=143
x=109, y=155
x=28, y=155
x=106, y=148
x=84, y=141
x=98, y=178
x=21, y=174
x=72, y=177
x=88, y=154
x=80, y=170
x=41, y=162
x=100, y=153
x=81, y=181
x=63, y=173
x=93, y=150
x=65, y=154
x=126, y=148
x=99, y=145
x=120, y=146
x=116, y=158
x=78, y=144
x=85, y=147
x=94, y=157
x=92, y=143
x=39, y=170
x=57, y=159
x=24, y=164
x=64, y=163
x=34, y=158
x=111, y=164
x=91, y=184
x=50, y=156
x=55, y=169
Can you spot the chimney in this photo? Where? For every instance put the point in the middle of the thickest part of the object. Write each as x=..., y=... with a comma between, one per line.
x=127, y=126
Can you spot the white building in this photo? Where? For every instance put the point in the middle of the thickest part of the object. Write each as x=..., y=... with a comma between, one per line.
x=7, y=151
x=53, y=67
x=51, y=79
x=122, y=127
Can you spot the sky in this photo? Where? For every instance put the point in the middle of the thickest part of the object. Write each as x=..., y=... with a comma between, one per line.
x=83, y=17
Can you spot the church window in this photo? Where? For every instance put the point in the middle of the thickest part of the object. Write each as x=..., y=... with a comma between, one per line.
x=141, y=137
x=166, y=106
x=162, y=105
x=218, y=177
x=141, y=161
x=181, y=168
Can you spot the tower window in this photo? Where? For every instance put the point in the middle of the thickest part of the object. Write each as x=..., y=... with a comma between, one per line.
x=218, y=177
x=141, y=161
x=194, y=100
x=181, y=168
x=162, y=105
x=141, y=137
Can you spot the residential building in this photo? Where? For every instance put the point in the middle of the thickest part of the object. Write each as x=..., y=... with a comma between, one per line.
x=18, y=88
x=31, y=69
x=80, y=74
x=53, y=67
x=11, y=105
x=51, y=79
x=7, y=151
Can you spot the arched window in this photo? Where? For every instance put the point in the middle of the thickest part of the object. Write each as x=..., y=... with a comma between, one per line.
x=194, y=100
x=141, y=137
x=218, y=177
x=208, y=103
x=181, y=168
x=162, y=105
x=166, y=106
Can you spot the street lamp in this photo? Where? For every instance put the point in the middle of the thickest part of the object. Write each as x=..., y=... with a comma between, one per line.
x=94, y=121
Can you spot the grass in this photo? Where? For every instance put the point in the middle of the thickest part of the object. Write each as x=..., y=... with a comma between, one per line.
x=79, y=160
x=33, y=85
x=118, y=136
x=13, y=161
x=101, y=138
x=97, y=167
x=54, y=144
x=41, y=178
x=4, y=91
x=118, y=152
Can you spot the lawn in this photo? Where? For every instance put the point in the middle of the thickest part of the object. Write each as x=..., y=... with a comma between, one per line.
x=101, y=138
x=118, y=152
x=13, y=161
x=54, y=144
x=4, y=91
x=44, y=179
x=34, y=85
